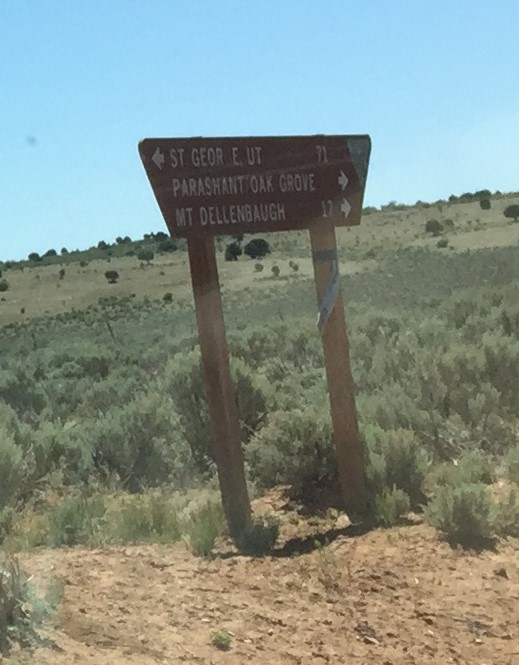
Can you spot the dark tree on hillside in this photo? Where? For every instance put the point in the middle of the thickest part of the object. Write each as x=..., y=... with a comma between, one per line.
x=112, y=276
x=233, y=251
x=167, y=245
x=434, y=227
x=257, y=248
x=34, y=256
x=485, y=204
x=64, y=250
x=50, y=252
x=512, y=212
x=102, y=245
x=146, y=255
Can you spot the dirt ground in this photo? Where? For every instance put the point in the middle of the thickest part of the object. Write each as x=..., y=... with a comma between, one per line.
x=386, y=596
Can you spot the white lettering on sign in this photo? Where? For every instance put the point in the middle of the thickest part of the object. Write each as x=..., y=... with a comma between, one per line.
x=176, y=156
x=297, y=182
x=183, y=216
x=254, y=156
x=322, y=154
x=327, y=208
x=204, y=157
x=222, y=186
x=238, y=214
x=235, y=157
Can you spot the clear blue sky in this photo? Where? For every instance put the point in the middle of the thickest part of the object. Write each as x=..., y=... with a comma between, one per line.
x=435, y=84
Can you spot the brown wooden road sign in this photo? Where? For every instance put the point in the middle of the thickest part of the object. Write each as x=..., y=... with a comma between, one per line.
x=210, y=186
x=233, y=186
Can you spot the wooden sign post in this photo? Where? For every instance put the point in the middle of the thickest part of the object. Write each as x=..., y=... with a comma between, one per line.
x=231, y=186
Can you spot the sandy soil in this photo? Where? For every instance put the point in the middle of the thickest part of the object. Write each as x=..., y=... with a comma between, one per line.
x=387, y=596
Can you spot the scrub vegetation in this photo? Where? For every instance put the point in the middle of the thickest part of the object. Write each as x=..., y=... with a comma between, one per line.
x=104, y=433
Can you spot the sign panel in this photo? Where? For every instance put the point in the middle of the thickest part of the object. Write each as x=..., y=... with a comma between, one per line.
x=233, y=186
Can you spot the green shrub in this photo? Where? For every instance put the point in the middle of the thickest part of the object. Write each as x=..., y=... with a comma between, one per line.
x=505, y=517
x=4, y=285
x=390, y=506
x=257, y=248
x=472, y=467
x=434, y=227
x=442, y=243
x=462, y=513
x=146, y=255
x=293, y=447
x=512, y=464
x=167, y=297
x=221, y=639
x=112, y=276
x=74, y=521
x=183, y=378
x=485, y=204
x=19, y=390
x=275, y=271
x=142, y=518
x=7, y=517
x=512, y=212
x=14, y=470
x=258, y=267
x=203, y=527
x=233, y=251
x=396, y=459
x=259, y=537
x=22, y=610
x=140, y=442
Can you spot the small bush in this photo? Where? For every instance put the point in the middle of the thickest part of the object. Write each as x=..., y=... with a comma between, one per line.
x=259, y=537
x=396, y=459
x=257, y=248
x=258, y=267
x=512, y=464
x=293, y=447
x=146, y=255
x=441, y=244
x=512, y=212
x=485, y=204
x=14, y=473
x=74, y=521
x=505, y=516
x=4, y=285
x=275, y=271
x=167, y=297
x=222, y=640
x=434, y=227
x=142, y=518
x=472, y=467
x=22, y=612
x=390, y=506
x=462, y=513
x=233, y=251
x=112, y=276
x=203, y=528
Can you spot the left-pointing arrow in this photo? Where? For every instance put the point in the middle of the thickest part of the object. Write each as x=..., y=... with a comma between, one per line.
x=158, y=158
x=345, y=207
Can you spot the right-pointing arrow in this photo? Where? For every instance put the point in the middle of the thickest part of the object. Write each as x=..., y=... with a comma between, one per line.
x=343, y=180
x=158, y=158
x=345, y=207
